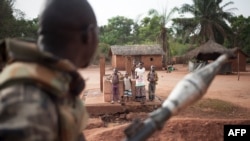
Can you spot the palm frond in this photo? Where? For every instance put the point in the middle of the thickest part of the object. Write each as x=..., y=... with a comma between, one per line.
x=208, y=16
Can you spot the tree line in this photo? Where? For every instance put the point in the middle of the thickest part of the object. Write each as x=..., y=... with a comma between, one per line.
x=211, y=20
x=13, y=23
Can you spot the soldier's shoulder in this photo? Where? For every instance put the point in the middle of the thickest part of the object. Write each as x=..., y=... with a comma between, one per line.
x=23, y=91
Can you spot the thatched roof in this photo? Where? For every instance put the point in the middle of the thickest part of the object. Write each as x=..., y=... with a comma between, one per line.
x=208, y=51
x=137, y=50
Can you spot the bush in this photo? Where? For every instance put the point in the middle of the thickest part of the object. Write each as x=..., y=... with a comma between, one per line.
x=178, y=49
x=102, y=50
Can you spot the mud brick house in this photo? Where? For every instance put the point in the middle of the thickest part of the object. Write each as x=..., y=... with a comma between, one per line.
x=123, y=56
x=240, y=61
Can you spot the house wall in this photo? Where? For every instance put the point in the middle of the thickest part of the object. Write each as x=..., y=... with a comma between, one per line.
x=119, y=61
x=242, y=64
x=113, y=60
x=149, y=60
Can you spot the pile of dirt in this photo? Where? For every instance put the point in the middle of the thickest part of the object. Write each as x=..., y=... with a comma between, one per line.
x=176, y=129
x=202, y=121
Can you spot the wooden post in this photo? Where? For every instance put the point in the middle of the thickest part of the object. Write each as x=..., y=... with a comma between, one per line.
x=102, y=71
x=128, y=65
x=238, y=57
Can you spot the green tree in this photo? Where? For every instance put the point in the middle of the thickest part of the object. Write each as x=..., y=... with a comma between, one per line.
x=154, y=28
x=209, y=20
x=149, y=29
x=6, y=18
x=118, y=31
x=182, y=30
x=13, y=23
x=102, y=50
x=241, y=27
x=26, y=28
x=136, y=31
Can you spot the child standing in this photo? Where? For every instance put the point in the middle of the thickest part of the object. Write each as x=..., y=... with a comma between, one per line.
x=134, y=66
x=127, y=87
x=152, y=78
x=115, y=86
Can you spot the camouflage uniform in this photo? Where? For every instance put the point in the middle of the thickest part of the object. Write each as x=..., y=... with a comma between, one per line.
x=39, y=97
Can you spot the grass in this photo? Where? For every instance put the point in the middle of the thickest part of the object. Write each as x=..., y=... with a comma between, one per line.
x=214, y=108
x=216, y=105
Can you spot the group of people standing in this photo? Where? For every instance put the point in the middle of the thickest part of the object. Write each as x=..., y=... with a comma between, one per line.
x=140, y=91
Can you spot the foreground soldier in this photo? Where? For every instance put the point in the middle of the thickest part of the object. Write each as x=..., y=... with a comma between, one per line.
x=39, y=90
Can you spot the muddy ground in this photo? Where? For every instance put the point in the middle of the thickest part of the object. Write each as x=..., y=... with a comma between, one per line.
x=227, y=101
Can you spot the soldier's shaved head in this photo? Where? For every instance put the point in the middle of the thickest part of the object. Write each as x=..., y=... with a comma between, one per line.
x=66, y=15
x=68, y=29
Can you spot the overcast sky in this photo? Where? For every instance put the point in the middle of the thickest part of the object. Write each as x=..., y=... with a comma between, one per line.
x=106, y=9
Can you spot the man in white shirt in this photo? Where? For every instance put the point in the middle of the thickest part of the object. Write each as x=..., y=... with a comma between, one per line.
x=140, y=84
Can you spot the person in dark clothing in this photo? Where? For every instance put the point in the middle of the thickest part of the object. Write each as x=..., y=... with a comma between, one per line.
x=115, y=86
x=152, y=78
x=40, y=87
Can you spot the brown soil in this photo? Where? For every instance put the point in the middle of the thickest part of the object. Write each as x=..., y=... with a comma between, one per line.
x=227, y=101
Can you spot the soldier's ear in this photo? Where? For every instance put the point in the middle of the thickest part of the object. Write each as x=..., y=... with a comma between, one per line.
x=89, y=34
x=84, y=36
x=85, y=33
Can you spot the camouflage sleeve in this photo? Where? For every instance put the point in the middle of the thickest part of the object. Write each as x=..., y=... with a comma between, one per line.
x=27, y=114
